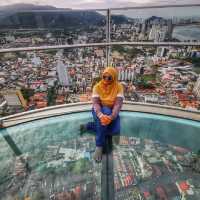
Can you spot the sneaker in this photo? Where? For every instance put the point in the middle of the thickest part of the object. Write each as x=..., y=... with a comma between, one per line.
x=98, y=154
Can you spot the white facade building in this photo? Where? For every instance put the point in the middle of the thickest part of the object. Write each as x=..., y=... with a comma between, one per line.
x=62, y=73
x=126, y=74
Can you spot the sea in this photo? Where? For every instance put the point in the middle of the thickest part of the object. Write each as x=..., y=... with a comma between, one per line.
x=188, y=32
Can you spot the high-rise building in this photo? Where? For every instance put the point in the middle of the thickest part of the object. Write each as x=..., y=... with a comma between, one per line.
x=126, y=74
x=62, y=73
x=158, y=34
x=36, y=61
x=169, y=27
x=144, y=27
x=161, y=51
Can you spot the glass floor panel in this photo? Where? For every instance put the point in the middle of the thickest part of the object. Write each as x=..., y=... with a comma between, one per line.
x=65, y=170
x=157, y=158
x=151, y=170
x=56, y=163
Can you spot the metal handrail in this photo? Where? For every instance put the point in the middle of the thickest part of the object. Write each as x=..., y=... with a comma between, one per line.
x=156, y=44
x=157, y=6
x=54, y=111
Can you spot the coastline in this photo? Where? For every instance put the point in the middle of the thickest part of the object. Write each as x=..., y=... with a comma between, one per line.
x=186, y=32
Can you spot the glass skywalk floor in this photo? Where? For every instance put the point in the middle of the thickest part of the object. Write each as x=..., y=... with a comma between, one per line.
x=157, y=157
x=146, y=169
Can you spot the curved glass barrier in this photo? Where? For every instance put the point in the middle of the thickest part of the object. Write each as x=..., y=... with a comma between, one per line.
x=6, y=166
x=48, y=77
x=55, y=163
x=157, y=157
x=155, y=24
x=48, y=27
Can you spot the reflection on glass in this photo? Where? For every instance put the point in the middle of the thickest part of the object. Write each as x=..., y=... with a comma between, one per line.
x=157, y=157
x=6, y=159
x=147, y=169
x=55, y=163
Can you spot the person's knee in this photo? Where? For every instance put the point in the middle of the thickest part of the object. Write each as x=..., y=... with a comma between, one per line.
x=106, y=110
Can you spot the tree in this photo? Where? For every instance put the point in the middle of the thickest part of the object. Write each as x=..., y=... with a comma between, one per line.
x=155, y=68
x=27, y=93
x=38, y=195
x=119, y=48
x=51, y=96
x=133, y=52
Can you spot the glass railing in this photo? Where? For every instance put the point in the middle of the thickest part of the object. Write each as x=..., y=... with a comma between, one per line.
x=54, y=161
x=54, y=56
x=155, y=24
x=38, y=79
x=156, y=156
x=40, y=27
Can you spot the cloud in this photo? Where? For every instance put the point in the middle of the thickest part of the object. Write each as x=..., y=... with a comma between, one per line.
x=56, y=3
x=83, y=4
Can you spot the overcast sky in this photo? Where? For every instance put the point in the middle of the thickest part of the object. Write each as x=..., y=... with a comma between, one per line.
x=95, y=3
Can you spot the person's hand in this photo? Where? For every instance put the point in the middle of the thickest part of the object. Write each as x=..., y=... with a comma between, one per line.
x=105, y=120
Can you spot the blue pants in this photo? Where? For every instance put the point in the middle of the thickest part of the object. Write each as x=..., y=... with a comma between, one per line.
x=102, y=131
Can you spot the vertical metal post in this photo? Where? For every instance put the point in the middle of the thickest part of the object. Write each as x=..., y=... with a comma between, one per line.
x=108, y=25
x=107, y=174
x=11, y=143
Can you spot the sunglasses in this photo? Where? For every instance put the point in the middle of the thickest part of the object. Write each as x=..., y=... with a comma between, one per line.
x=108, y=78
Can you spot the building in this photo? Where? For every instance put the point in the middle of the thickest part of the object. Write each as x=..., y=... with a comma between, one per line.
x=2, y=107
x=126, y=74
x=158, y=34
x=13, y=102
x=62, y=73
x=161, y=51
x=151, y=99
x=36, y=61
x=196, y=89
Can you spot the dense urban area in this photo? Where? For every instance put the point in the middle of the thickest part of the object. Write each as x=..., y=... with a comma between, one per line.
x=63, y=168
x=143, y=170
x=163, y=75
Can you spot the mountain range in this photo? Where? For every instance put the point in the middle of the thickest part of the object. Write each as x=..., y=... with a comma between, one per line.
x=37, y=16
x=33, y=16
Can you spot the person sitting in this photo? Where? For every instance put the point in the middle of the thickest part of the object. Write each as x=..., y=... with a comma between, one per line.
x=107, y=99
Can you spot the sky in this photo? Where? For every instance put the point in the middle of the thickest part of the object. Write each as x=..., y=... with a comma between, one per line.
x=85, y=4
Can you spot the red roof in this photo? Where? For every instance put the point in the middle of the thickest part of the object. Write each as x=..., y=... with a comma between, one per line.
x=146, y=194
x=78, y=190
x=39, y=96
x=161, y=193
x=180, y=149
x=37, y=82
x=184, y=186
x=41, y=104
